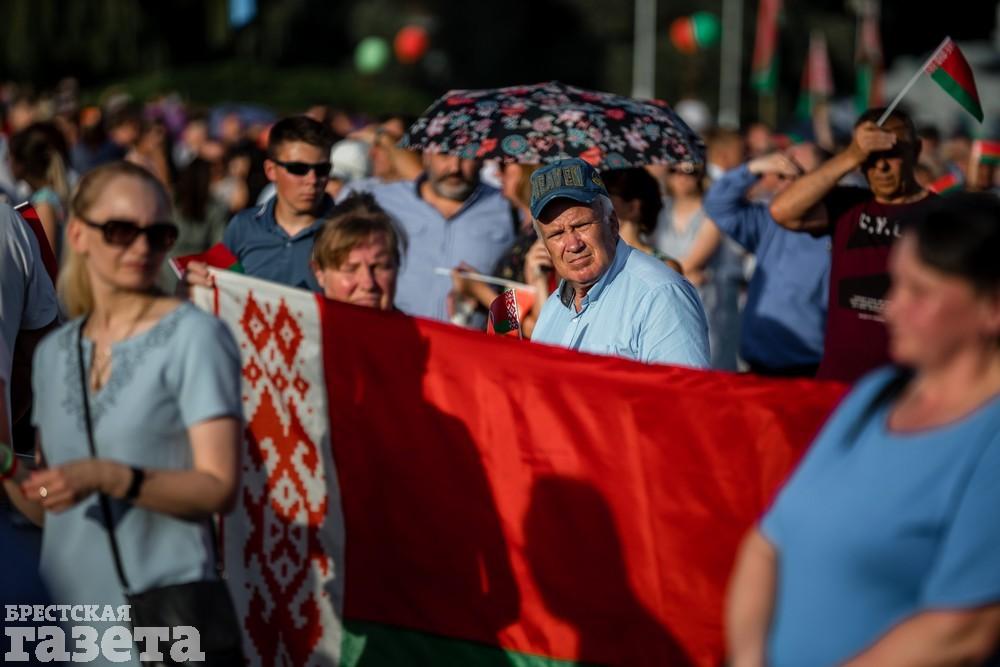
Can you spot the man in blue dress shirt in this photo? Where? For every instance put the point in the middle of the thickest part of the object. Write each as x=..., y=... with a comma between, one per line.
x=612, y=299
x=447, y=218
x=784, y=320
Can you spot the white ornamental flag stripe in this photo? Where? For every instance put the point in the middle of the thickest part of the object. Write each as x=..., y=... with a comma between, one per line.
x=284, y=542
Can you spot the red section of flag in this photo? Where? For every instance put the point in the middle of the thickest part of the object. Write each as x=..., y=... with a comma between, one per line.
x=218, y=256
x=49, y=261
x=947, y=183
x=820, y=73
x=559, y=504
x=951, y=71
x=951, y=59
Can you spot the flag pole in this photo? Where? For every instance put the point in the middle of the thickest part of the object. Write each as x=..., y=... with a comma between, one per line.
x=492, y=280
x=912, y=81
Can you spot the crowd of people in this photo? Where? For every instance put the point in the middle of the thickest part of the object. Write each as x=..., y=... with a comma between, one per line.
x=777, y=258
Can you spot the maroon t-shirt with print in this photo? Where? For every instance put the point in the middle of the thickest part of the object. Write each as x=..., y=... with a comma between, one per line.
x=863, y=232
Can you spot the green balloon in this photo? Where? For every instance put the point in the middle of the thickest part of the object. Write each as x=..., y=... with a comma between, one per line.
x=371, y=55
x=706, y=29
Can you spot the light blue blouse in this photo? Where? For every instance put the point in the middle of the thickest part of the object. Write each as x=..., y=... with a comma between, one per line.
x=183, y=371
x=876, y=526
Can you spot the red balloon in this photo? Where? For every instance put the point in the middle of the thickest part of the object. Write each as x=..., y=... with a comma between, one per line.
x=411, y=44
x=682, y=35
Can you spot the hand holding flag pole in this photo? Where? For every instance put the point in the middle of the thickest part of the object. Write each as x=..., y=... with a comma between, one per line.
x=950, y=70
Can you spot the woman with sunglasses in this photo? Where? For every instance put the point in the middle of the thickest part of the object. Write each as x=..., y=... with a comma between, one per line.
x=153, y=383
x=883, y=548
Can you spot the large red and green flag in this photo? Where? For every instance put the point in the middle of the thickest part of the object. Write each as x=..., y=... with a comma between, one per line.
x=950, y=70
x=419, y=494
x=817, y=76
x=868, y=58
x=764, y=69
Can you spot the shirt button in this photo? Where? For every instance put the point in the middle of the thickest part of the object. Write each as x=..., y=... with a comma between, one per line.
x=288, y=244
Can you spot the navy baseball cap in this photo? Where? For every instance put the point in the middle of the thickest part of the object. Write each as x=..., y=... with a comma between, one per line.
x=571, y=179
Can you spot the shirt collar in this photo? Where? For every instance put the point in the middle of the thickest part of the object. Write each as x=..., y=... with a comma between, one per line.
x=566, y=292
x=265, y=213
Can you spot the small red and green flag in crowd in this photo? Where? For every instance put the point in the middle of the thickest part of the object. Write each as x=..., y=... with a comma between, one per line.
x=764, y=77
x=817, y=76
x=507, y=312
x=947, y=184
x=950, y=70
x=868, y=58
x=986, y=152
x=218, y=256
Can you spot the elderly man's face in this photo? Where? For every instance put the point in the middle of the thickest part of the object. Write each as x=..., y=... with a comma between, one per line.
x=366, y=277
x=580, y=242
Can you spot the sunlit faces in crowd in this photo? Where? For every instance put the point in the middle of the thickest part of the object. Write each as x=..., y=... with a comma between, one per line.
x=581, y=239
x=451, y=177
x=356, y=255
x=299, y=171
x=125, y=232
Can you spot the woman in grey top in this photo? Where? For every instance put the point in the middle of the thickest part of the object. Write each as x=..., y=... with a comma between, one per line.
x=710, y=261
x=163, y=380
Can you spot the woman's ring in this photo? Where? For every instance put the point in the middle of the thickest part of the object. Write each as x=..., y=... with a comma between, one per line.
x=43, y=492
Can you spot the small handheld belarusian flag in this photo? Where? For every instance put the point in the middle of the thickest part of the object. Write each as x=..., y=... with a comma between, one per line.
x=507, y=311
x=817, y=76
x=985, y=152
x=950, y=70
x=218, y=256
x=947, y=184
x=764, y=76
x=868, y=57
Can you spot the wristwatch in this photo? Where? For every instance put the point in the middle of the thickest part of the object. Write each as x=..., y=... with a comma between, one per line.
x=138, y=477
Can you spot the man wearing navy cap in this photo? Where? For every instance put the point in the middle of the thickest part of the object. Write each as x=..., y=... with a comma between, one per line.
x=612, y=299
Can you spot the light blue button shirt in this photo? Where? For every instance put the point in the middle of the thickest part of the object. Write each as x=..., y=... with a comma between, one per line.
x=640, y=309
x=478, y=235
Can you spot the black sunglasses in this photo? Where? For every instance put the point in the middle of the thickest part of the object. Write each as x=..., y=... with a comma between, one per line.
x=160, y=235
x=322, y=169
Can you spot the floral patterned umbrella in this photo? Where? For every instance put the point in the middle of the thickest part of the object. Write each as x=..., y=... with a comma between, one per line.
x=551, y=121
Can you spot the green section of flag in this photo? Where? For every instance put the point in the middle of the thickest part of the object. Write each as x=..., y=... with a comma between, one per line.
x=765, y=80
x=862, y=95
x=237, y=267
x=378, y=645
x=960, y=94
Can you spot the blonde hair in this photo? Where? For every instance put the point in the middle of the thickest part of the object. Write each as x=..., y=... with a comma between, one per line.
x=73, y=286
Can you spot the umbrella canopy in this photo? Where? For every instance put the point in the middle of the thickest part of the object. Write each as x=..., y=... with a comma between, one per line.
x=551, y=121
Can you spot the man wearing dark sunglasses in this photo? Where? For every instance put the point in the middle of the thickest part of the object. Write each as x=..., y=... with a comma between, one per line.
x=863, y=224
x=274, y=240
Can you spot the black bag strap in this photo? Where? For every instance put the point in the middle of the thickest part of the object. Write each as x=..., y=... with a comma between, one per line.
x=103, y=499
